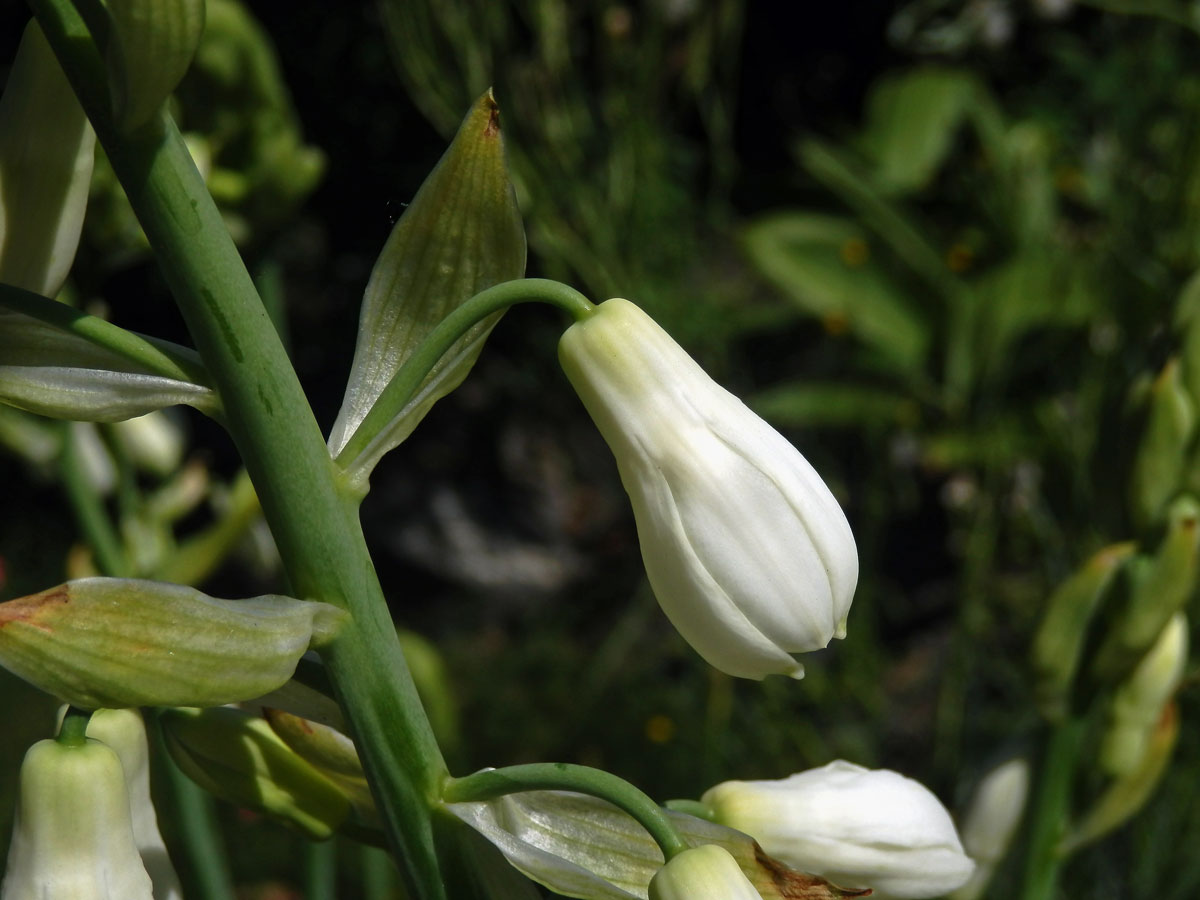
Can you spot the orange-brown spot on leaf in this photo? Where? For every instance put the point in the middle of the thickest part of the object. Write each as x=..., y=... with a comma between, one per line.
x=34, y=607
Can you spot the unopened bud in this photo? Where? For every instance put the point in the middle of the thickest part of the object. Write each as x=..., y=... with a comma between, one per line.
x=118, y=642
x=702, y=873
x=991, y=821
x=1059, y=640
x=237, y=757
x=1138, y=703
x=73, y=836
x=1128, y=793
x=1159, y=465
x=330, y=752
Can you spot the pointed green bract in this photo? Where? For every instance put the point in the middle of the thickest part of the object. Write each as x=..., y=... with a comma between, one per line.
x=46, y=153
x=461, y=233
x=150, y=47
x=119, y=642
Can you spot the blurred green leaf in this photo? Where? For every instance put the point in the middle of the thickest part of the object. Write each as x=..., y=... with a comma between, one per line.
x=823, y=264
x=839, y=405
x=912, y=121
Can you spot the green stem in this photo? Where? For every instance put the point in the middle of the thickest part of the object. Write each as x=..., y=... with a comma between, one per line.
x=155, y=356
x=1048, y=822
x=407, y=380
x=200, y=831
x=89, y=510
x=313, y=518
x=320, y=870
x=691, y=808
x=73, y=731
x=494, y=783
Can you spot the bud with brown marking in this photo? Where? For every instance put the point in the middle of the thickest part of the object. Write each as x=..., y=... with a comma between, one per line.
x=119, y=642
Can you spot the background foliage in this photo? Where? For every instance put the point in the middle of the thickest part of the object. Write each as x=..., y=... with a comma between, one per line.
x=940, y=244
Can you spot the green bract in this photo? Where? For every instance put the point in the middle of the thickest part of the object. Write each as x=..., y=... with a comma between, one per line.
x=150, y=47
x=240, y=759
x=46, y=153
x=462, y=233
x=118, y=642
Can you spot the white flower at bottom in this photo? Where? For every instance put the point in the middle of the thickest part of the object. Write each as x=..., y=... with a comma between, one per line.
x=856, y=827
x=747, y=551
x=702, y=873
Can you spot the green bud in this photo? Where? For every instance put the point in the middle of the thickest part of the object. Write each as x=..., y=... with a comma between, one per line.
x=240, y=759
x=1127, y=794
x=46, y=153
x=150, y=47
x=331, y=753
x=1159, y=466
x=707, y=872
x=1159, y=586
x=462, y=233
x=118, y=642
x=1059, y=640
x=124, y=731
x=1138, y=703
x=72, y=838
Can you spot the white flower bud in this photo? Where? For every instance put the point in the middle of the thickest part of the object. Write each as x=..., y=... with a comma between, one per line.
x=73, y=837
x=702, y=873
x=991, y=821
x=750, y=556
x=856, y=827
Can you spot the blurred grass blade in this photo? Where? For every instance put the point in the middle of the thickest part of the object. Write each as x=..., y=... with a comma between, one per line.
x=461, y=234
x=800, y=404
x=46, y=154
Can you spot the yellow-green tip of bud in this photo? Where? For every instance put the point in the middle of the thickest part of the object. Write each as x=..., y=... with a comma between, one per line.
x=702, y=873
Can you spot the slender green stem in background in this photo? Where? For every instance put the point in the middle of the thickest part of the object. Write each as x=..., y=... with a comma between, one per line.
x=157, y=357
x=312, y=517
x=378, y=875
x=89, y=509
x=199, y=831
x=566, y=777
x=691, y=808
x=320, y=870
x=1051, y=807
x=404, y=383
x=73, y=731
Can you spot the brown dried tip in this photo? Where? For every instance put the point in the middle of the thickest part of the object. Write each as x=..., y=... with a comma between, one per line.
x=793, y=885
x=493, y=126
x=27, y=609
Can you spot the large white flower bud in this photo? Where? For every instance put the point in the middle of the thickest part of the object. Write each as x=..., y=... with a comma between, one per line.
x=859, y=828
x=707, y=872
x=750, y=556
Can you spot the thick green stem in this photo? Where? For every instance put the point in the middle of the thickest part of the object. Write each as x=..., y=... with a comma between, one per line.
x=314, y=521
x=407, y=380
x=1051, y=807
x=494, y=783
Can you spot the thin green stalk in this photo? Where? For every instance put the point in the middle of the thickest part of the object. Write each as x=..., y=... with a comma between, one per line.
x=73, y=731
x=196, y=816
x=494, y=783
x=156, y=356
x=407, y=380
x=89, y=509
x=313, y=518
x=320, y=870
x=1048, y=821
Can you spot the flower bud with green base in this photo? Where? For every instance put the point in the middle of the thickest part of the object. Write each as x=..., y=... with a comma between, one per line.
x=857, y=827
x=702, y=873
x=991, y=821
x=73, y=837
x=747, y=551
